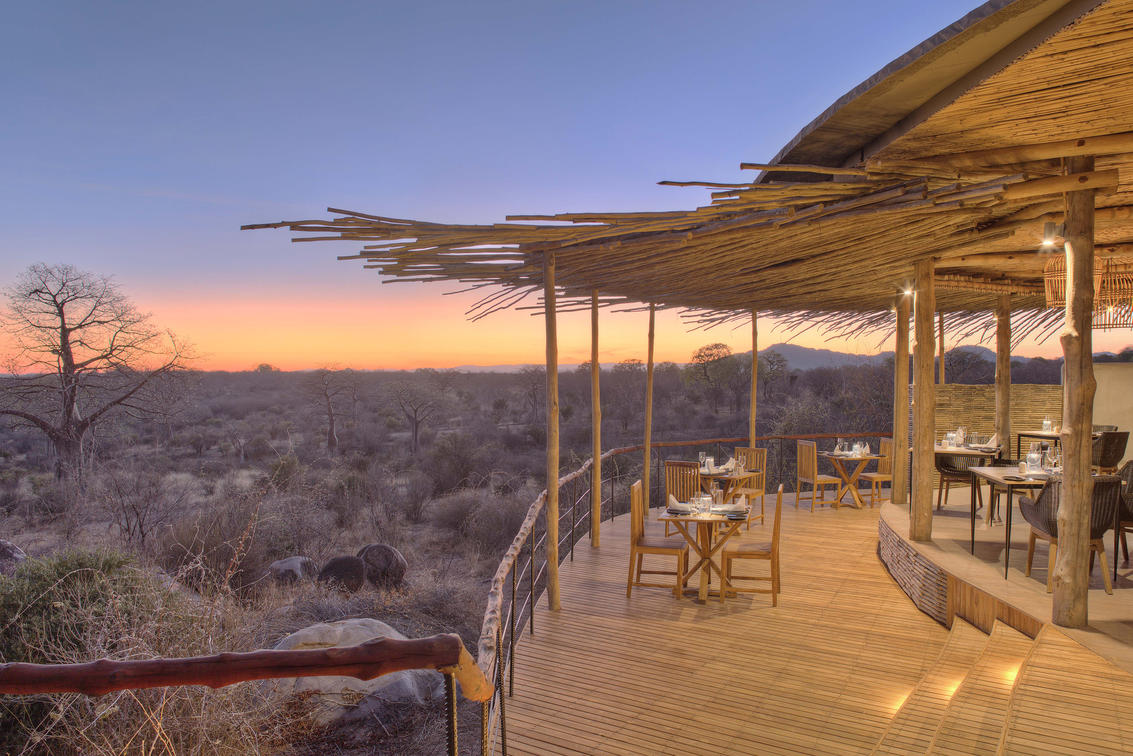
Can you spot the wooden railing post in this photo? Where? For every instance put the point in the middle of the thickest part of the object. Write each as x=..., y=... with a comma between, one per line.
x=450, y=705
x=1071, y=576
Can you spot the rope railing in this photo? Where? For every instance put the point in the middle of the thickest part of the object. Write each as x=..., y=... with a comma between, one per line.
x=504, y=619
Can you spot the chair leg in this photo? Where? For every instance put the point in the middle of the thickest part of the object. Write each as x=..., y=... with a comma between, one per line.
x=1124, y=548
x=774, y=580
x=1050, y=567
x=1099, y=547
x=1030, y=553
x=680, y=575
x=940, y=494
x=629, y=581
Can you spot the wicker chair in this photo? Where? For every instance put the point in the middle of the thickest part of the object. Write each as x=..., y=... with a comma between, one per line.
x=1109, y=448
x=884, y=472
x=641, y=544
x=1125, y=512
x=1104, y=428
x=1042, y=514
x=994, y=491
x=755, y=462
x=953, y=471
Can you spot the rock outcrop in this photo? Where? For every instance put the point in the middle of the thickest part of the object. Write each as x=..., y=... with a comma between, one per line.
x=293, y=569
x=10, y=557
x=385, y=566
x=346, y=572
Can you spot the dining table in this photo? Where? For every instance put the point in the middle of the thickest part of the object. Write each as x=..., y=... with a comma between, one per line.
x=848, y=479
x=1053, y=436
x=730, y=480
x=1011, y=480
x=706, y=538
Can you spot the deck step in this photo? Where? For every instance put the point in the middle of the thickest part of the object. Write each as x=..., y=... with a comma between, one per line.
x=973, y=721
x=915, y=723
x=1068, y=700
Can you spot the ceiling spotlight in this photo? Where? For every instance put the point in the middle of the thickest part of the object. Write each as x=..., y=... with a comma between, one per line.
x=1052, y=232
x=908, y=292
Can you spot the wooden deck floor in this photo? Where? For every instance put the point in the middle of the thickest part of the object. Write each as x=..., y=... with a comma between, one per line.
x=824, y=672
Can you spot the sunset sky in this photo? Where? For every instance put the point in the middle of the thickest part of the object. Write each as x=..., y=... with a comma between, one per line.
x=137, y=137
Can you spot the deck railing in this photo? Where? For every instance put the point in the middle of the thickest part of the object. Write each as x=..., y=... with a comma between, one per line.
x=521, y=575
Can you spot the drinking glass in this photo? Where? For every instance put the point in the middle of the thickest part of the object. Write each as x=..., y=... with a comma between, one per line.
x=710, y=462
x=702, y=456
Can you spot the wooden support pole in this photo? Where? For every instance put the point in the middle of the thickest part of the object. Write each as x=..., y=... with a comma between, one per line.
x=754, y=377
x=1071, y=575
x=940, y=331
x=596, y=428
x=552, y=432
x=1003, y=372
x=900, y=485
x=924, y=403
x=648, y=410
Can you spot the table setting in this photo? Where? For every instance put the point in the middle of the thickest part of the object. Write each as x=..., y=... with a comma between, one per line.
x=707, y=512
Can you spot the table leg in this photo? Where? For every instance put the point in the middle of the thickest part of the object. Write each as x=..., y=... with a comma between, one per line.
x=704, y=533
x=852, y=484
x=1007, y=551
x=838, y=468
x=975, y=482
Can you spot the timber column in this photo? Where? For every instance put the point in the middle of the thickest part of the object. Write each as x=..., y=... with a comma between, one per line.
x=900, y=485
x=1003, y=372
x=596, y=428
x=754, y=380
x=552, y=432
x=1071, y=576
x=646, y=465
x=924, y=402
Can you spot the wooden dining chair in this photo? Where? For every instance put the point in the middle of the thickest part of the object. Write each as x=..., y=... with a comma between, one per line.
x=884, y=473
x=807, y=466
x=640, y=544
x=753, y=461
x=682, y=481
x=766, y=551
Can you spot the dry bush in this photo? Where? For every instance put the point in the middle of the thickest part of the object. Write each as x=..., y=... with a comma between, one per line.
x=141, y=502
x=80, y=606
x=414, y=489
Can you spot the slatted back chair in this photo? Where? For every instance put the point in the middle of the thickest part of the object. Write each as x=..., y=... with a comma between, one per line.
x=682, y=481
x=884, y=472
x=1125, y=513
x=755, y=486
x=766, y=551
x=641, y=545
x=807, y=467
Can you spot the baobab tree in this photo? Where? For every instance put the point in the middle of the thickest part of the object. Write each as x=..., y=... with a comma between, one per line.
x=328, y=388
x=81, y=353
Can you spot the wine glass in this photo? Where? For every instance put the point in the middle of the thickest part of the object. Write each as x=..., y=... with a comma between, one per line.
x=702, y=456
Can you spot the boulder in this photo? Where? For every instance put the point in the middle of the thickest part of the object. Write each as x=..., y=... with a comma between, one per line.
x=347, y=572
x=293, y=569
x=386, y=702
x=385, y=566
x=10, y=557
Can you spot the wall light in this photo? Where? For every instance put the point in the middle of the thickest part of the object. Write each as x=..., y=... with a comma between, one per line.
x=1052, y=232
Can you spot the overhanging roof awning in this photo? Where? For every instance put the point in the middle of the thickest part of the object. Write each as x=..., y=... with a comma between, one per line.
x=833, y=244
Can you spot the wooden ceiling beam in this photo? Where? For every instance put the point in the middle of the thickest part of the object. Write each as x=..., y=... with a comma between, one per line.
x=1109, y=144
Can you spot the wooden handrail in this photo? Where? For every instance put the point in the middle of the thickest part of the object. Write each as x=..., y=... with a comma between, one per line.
x=365, y=661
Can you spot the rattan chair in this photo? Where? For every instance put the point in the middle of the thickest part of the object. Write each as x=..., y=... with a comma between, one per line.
x=807, y=466
x=884, y=472
x=766, y=551
x=1125, y=512
x=753, y=461
x=953, y=471
x=1042, y=514
x=640, y=545
x=1108, y=450
x=682, y=482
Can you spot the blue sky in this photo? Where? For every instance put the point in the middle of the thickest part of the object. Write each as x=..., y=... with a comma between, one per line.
x=138, y=136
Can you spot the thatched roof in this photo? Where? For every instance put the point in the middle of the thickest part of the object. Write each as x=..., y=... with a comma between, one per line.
x=896, y=184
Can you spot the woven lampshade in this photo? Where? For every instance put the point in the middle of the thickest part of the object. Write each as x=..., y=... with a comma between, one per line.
x=1113, y=289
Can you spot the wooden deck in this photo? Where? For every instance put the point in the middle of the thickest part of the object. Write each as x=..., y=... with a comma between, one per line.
x=823, y=673
x=846, y=664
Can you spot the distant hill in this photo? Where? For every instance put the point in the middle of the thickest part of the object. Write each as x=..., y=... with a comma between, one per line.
x=805, y=358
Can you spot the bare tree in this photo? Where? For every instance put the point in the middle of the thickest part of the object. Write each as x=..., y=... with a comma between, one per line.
x=711, y=365
x=418, y=398
x=329, y=388
x=82, y=353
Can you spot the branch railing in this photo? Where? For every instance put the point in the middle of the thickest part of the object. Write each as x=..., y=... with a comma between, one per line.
x=521, y=574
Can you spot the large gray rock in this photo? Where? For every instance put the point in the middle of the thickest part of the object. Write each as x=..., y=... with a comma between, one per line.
x=293, y=569
x=346, y=572
x=10, y=557
x=385, y=566
x=388, y=700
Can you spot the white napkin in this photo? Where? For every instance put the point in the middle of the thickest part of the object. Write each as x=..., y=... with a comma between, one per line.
x=677, y=506
x=730, y=464
x=993, y=441
x=737, y=504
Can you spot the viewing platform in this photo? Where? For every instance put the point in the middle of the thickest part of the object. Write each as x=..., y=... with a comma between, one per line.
x=846, y=663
